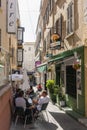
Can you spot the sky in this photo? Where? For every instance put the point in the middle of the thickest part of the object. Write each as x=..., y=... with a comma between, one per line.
x=29, y=12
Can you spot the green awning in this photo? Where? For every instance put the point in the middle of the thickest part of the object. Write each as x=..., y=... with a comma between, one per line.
x=66, y=54
x=41, y=68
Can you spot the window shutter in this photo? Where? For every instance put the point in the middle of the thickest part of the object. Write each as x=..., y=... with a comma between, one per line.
x=70, y=18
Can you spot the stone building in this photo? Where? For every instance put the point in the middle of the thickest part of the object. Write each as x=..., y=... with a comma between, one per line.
x=8, y=56
x=29, y=57
x=65, y=46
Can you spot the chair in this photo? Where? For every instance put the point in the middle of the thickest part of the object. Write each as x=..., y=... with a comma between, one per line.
x=20, y=114
x=28, y=114
x=44, y=109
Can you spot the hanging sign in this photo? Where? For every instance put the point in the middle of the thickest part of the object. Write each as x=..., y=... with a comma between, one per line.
x=56, y=42
x=11, y=16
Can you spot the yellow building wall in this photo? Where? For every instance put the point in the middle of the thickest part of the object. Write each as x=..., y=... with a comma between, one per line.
x=85, y=72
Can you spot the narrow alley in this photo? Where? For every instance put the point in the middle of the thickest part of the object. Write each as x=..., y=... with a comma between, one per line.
x=58, y=120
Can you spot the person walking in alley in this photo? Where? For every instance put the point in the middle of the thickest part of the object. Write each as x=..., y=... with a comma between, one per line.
x=39, y=87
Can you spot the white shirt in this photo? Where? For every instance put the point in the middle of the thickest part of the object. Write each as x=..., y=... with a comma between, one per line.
x=20, y=102
x=41, y=101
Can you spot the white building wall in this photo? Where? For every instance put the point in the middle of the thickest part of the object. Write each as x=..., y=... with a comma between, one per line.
x=29, y=56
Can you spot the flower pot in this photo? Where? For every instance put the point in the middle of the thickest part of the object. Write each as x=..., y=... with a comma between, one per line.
x=62, y=103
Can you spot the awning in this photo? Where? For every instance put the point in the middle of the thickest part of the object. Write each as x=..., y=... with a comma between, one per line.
x=66, y=54
x=42, y=68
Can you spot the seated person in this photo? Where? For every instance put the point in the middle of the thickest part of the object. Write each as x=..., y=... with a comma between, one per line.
x=16, y=95
x=20, y=101
x=43, y=98
x=30, y=92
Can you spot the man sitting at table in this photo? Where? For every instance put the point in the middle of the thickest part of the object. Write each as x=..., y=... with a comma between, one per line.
x=43, y=98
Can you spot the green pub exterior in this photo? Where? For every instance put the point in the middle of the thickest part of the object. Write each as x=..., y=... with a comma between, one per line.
x=73, y=80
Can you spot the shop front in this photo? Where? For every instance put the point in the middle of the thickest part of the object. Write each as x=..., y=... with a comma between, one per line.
x=70, y=74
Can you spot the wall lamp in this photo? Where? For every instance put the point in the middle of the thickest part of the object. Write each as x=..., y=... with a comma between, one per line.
x=20, y=31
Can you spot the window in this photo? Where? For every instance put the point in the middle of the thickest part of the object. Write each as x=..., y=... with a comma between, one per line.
x=51, y=3
x=59, y=26
x=70, y=18
x=0, y=3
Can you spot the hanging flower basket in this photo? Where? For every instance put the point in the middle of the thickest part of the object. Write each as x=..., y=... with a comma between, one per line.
x=76, y=65
x=49, y=70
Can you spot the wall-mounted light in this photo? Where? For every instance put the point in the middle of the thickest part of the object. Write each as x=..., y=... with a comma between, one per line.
x=20, y=31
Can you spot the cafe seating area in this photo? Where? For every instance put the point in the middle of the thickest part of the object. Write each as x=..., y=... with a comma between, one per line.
x=28, y=115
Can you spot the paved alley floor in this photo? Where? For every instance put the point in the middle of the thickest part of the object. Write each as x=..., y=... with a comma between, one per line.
x=58, y=120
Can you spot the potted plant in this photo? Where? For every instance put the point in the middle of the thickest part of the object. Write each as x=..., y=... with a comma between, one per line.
x=62, y=102
x=50, y=85
x=61, y=97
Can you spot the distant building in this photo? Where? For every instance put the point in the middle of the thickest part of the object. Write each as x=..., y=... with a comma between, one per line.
x=29, y=56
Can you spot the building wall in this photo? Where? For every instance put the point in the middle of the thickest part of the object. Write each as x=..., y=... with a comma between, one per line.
x=5, y=90
x=5, y=108
x=71, y=41
x=85, y=70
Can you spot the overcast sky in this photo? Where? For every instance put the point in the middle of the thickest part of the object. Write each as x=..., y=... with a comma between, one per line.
x=29, y=11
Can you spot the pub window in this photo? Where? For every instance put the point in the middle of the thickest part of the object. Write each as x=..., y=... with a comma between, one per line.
x=71, y=81
x=70, y=18
x=58, y=75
